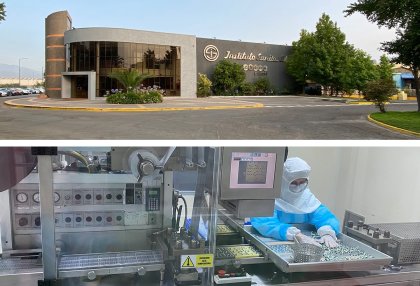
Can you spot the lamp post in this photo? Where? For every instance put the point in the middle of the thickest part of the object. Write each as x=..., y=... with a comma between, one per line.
x=21, y=59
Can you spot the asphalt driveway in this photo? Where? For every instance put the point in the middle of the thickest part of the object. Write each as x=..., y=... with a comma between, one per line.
x=280, y=118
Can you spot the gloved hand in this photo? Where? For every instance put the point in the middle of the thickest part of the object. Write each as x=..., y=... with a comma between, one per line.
x=301, y=238
x=328, y=240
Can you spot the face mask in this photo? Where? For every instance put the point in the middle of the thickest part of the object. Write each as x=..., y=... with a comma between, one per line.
x=298, y=188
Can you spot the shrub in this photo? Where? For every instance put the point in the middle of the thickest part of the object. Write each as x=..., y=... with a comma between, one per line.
x=125, y=98
x=247, y=88
x=379, y=91
x=284, y=91
x=135, y=97
x=227, y=77
x=203, y=86
x=152, y=97
x=262, y=86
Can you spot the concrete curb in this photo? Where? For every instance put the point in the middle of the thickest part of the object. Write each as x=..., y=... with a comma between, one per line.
x=393, y=128
x=360, y=103
x=146, y=109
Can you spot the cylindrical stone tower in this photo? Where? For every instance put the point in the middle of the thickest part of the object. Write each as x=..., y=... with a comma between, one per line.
x=55, y=51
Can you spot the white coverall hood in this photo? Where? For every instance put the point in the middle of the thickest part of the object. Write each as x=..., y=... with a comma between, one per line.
x=297, y=203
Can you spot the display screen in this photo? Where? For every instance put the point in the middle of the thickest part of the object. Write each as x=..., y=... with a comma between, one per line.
x=252, y=170
x=153, y=192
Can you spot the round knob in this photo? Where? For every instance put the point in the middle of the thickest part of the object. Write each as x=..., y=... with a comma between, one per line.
x=91, y=275
x=68, y=219
x=350, y=224
x=38, y=221
x=119, y=218
x=147, y=168
x=78, y=197
x=108, y=196
x=109, y=219
x=119, y=197
x=23, y=221
x=376, y=234
x=98, y=218
x=387, y=234
x=88, y=196
x=141, y=271
x=98, y=197
x=78, y=219
x=88, y=219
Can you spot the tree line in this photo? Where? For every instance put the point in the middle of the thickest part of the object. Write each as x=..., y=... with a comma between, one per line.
x=326, y=58
x=404, y=15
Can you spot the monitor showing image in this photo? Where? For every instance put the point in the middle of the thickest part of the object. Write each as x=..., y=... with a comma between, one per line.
x=252, y=170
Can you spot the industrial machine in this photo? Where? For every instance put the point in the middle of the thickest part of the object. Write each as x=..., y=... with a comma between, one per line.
x=91, y=216
x=399, y=240
x=173, y=216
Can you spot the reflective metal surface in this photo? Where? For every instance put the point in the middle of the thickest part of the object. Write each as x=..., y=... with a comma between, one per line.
x=72, y=262
x=16, y=163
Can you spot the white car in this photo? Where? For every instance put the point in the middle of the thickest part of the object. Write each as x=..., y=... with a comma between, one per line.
x=3, y=92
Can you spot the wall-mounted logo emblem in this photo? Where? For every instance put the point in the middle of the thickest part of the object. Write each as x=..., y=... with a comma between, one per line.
x=211, y=53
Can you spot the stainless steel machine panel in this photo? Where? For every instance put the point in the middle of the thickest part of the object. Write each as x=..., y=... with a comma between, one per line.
x=282, y=256
x=73, y=262
x=91, y=204
x=407, y=236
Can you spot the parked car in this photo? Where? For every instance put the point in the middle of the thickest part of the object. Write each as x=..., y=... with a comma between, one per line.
x=3, y=92
x=15, y=91
x=315, y=89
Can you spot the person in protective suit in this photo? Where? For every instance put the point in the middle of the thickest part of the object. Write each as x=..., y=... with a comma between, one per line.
x=298, y=205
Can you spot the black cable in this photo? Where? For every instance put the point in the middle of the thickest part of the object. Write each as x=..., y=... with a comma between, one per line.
x=178, y=217
x=286, y=153
x=186, y=212
x=174, y=209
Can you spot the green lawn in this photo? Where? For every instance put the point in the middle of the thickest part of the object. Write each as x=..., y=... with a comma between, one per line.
x=405, y=120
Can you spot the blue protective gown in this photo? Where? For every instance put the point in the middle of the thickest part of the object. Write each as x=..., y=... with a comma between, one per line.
x=277, y=225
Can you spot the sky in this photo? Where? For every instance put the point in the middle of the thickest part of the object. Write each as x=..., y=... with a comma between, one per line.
x=271, y=21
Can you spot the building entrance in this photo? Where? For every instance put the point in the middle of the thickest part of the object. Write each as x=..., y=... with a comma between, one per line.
x=80, y=86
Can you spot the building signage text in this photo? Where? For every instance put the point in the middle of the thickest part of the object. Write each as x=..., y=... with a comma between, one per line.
x=250, y=57
x=211, y=53
x=257, y=69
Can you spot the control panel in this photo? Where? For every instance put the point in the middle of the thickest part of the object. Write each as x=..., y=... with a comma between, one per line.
x=134, y=194
x=87, y=206
x=152, y=199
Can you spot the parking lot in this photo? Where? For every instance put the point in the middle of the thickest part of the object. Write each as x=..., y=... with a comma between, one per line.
x=281, y=118
x=15, y=91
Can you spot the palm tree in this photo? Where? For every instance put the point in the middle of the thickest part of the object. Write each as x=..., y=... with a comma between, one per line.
x=2, y=11
x=129, y=78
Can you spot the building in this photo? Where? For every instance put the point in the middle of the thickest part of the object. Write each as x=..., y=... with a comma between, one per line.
x=403, y=77
x=79, y=61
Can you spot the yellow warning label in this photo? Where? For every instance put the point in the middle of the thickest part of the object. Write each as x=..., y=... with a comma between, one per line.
x=188, y=263
x=204, y=260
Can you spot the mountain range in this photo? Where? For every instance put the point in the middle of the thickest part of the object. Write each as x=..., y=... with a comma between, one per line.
x=12, y=71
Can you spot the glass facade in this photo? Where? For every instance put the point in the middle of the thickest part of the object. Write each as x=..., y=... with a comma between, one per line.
x=162, y=63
